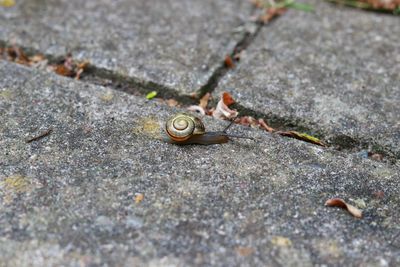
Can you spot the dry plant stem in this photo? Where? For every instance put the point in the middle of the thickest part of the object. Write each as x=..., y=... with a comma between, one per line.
x=40, y=136
x=229, y=125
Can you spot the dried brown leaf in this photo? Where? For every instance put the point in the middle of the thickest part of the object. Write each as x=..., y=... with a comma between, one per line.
x=257, y=3
x=222, y=110
x=64, y=71
x=244, y=251
x=80, y=68
x=204, y=100
x=16, y=55
x=376, y=156
x=264, y=125
x=139, y=198
x=227, y=98
x=228, y=62
x=21, y=57
x=247, y=121
x=338, y=202
x=171, y=102
x=69, y=62
x=36, y=58
x=271, y=13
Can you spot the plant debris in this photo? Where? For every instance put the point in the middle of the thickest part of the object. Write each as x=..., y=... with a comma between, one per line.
x=228, y=62
x=338, y=202
x=303, y=137
x=275, y=8
x=204, y=100
x=222, y=111
x=67, y=67
x=151, y=95
x=70, y=68
x=375, y=156
x=14, y=54
x=7, y=3
x=172, y=102
x=391, y=6
x=139, y=198
x=244, y=251
x=40, y=136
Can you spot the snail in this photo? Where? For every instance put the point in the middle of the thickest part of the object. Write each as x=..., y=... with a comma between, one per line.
x=184, y=129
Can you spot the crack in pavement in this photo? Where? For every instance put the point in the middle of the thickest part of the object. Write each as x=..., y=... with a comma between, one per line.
x=223, y=69
x=139, y=87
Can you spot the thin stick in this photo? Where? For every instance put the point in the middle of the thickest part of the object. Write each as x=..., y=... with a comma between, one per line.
x=40, y=136
x=229, y=125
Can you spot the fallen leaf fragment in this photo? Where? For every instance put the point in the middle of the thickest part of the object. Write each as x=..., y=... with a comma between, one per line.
x=151, y=95
x=15, y=54
x=303, y=137
x=227, y=98
x=264, y=125
x=244, y=251
x=281, y=241
x=36, y=58
x=375, y=156
x=222, y=110
x=80, y=68
x=378, y=5
x=360, y=203
x=21, y=57
x=338, y=202
x=271, y=13
x=171, y=102
x=63, y=71
x=204, y=100
x=7, y=3
x=107, y=96
x=139, y=198
x=228, y=62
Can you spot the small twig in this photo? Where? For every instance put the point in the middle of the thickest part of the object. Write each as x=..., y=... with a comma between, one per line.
x=229, y=125
x=40, y=136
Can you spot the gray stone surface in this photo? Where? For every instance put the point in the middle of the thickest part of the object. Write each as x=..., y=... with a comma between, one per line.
x=176, y=43
x=337, y=69
x=69, y=199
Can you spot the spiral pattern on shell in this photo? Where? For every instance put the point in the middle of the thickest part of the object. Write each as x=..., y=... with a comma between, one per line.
x=182, y=126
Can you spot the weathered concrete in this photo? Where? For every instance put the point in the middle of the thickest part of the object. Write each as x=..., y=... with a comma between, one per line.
x=337, y=71
x=175, y=43
x=69, y=198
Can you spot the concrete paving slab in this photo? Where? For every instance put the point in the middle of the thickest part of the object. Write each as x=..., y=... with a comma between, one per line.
x=336, y=71
x=102, y=189
x=175, y=43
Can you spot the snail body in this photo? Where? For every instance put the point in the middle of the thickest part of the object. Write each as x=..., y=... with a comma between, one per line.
x=185, y=129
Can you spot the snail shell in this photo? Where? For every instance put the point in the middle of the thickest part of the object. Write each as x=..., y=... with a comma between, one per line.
x=183, y=126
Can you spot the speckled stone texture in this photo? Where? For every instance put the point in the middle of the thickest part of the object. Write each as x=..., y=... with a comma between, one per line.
x=71, y=198
x=175, y=43
x=336, y=70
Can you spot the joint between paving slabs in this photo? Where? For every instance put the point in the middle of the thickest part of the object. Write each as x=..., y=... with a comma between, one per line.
x=230, y=60
x=339, y=142
x=135, y=86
